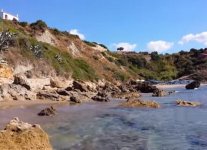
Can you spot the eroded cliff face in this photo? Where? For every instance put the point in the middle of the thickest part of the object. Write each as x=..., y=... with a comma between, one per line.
x=18, y=135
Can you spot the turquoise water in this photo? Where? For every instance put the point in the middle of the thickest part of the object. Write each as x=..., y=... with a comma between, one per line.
x=104, y=126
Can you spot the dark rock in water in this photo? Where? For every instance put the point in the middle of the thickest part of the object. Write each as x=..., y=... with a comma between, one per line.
x=193, y=85
x=100, y=99
x=50, y=111
x=74, y=99
x=160, y=93
x=79, y=86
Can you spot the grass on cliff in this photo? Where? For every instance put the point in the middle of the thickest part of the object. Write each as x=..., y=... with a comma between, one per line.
x=63, y=63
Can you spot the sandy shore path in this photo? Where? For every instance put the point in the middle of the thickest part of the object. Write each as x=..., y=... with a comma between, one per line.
x=166, y=86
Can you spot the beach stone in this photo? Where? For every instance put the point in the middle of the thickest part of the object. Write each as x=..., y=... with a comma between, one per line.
x=50, y=111
x=19, y=135
x=187, y=103
x=140, y=103
x=193, y=85
x=74, y=99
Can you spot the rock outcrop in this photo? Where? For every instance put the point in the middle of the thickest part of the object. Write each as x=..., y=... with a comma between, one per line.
x=15, y=92
x=18, y=135
x=101, y=97
x=193, y=85
x=140, y=103
x=187, y=103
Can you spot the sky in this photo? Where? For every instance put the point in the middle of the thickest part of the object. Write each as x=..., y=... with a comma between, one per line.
x=166, y=26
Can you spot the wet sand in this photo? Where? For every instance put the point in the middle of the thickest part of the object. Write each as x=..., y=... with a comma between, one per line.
x=20, y=104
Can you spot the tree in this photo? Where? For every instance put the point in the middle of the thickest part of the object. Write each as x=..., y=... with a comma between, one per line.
x=120, y=49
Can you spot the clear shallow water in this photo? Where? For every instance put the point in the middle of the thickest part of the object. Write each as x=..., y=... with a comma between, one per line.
x=104, y=126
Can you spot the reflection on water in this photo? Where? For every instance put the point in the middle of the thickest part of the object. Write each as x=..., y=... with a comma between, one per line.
x=104, y=126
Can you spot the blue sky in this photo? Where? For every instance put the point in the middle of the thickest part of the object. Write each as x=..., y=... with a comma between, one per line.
x=163, y=25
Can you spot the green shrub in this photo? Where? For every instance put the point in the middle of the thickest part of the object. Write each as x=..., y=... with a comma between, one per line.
x=91, y=44
x=39, y=25
x=23, y=24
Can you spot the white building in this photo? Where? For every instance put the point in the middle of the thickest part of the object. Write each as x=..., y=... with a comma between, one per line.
x=7, y=16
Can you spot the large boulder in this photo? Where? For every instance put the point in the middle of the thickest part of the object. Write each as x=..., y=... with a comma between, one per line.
x=140, y=103
x=18, y=135
x=49, y=111
x=193, y=85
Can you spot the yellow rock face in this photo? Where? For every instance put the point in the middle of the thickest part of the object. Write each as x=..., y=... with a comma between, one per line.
x=6, y=71
x=23, y=136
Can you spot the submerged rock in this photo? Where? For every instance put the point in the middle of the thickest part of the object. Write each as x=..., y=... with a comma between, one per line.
x=160, y=93
x=187, y=103
x=140, y=103
x=193, y=85
x=18, y=135
x=50, y=111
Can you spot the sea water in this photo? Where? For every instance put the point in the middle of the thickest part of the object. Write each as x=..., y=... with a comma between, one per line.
x=105, y=126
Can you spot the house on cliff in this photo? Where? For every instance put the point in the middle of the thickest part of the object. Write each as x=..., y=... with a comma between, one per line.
x=7, y=16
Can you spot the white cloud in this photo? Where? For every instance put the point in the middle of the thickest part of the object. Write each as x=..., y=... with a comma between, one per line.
x=200, y=38
x=76, y=32
x=159, y=46
x=126, y=46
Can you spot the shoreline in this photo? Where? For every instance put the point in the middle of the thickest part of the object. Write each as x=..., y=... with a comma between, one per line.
x=7, y=104
x=18, y=104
